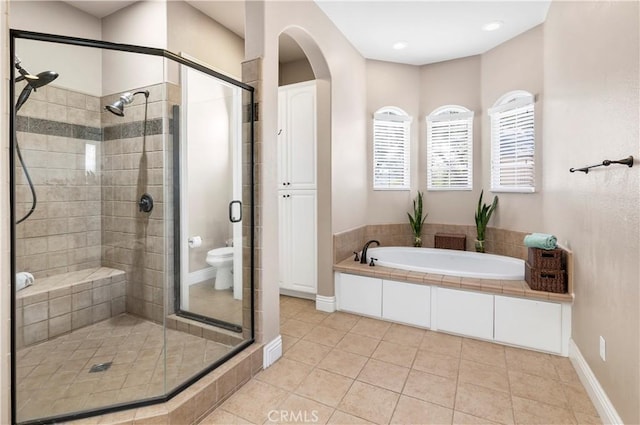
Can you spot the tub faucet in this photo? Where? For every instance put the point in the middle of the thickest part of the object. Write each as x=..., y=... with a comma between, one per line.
x=363, y=257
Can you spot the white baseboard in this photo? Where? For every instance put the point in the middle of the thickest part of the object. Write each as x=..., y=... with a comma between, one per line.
x=327, y=304
x=272, y=352
x=201, y=275
x=601, y=402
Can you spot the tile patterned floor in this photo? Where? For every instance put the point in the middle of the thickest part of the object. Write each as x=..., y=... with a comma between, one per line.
x=345, y=369
x=54, y=376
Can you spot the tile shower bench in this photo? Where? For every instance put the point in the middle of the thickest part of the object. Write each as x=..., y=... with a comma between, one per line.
x=58, y=304
x=502, y=311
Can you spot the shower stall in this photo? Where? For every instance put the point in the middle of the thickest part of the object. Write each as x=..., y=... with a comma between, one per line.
x=131, y=168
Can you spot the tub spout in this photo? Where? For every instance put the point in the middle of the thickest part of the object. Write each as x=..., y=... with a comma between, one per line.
x=363, y=257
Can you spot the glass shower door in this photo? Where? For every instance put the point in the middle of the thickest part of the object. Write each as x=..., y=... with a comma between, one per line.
x=211, y=238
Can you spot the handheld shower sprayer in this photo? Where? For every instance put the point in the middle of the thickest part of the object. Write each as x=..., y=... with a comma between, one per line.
x=34, y=82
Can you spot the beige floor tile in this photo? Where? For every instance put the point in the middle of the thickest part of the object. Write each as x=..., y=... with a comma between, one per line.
x=565, y=370
x=371, y=327
x=385, y=375
x=579, y=400
x=343, y=363
x=325, y=387
x=432, y=388
x=314, y=317
x=296, y=328
x=374, y=404
x=358, y=344
x=483, y=352
x=537, y=388
x=300, y=410
x=460, y=418
x=404, y=335
x=307, y=352
x=341, y=321
x=414, y=411
x=285, y=374
x=484, y=375
x=390, y=352
x=289, y=308
x=533, y=412
x=437, y=364
x=254, y=401
x=442, y=343
x=530, y=362
x=325, y=336
x=484, y=403
x=342, y=418
x=221, y=416
x=584, y=419
x=288, y=342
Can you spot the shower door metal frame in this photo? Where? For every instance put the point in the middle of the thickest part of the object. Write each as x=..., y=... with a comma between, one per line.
x=83, y=42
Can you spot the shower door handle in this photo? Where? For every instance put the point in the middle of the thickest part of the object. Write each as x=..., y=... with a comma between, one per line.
x=231, y=216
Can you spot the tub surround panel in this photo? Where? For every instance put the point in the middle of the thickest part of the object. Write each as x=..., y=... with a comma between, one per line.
x=498, y=241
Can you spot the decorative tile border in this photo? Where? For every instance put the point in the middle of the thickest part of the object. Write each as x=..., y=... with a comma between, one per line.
x=57, y=128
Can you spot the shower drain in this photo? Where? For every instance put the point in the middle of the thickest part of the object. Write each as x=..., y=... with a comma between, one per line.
x=100, y=367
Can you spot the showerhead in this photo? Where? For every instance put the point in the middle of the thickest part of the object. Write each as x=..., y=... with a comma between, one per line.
x=117, y=107
x=33, y=83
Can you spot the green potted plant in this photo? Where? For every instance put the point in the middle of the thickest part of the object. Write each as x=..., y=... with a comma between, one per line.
x=417, y=220
x=483, y=214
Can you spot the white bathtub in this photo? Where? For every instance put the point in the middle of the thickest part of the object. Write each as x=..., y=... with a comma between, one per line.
x=449, y=262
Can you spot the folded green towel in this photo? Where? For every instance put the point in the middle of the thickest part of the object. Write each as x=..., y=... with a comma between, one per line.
x=541, y=240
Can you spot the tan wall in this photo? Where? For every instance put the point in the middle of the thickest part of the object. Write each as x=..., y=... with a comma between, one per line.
x=332, y=57
x=391, y=84
x=194, y=33
x=455, y=82
x=592, y=113
x=5, y=226
x=515, y=65
x=295, y=72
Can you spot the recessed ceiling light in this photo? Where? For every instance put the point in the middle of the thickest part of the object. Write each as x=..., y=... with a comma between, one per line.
x=492, y=26
x=400, y=45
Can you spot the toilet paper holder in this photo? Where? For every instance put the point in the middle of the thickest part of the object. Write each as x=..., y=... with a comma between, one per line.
x=194, y=241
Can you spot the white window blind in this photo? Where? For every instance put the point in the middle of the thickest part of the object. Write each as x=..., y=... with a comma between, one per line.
x=391, y=147
x=450, y=149
x=513, y=144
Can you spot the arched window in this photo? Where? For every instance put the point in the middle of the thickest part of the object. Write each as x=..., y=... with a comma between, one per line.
x=391, y=147
x=513, y=143
x=450, y=148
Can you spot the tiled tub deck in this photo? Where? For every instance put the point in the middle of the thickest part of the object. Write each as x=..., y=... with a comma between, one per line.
x=58, y=304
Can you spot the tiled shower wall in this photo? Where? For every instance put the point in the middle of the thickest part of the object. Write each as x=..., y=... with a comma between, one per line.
x=54, y=128
x=88, y=217
x=134, y=241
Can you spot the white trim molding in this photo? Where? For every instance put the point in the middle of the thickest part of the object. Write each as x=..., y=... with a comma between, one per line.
x=272, y=352
x=327, y=304
x=603, y=405
x=201, y=275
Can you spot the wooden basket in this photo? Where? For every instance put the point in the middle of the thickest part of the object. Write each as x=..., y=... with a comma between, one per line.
x=546, y=259
x=450, y=241
x=545, y=280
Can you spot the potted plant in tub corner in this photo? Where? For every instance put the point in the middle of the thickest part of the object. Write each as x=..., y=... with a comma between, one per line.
x=417, y=220
x=483, y=214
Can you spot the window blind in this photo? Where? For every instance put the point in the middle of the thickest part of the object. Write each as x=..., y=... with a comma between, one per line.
x=391, y=147
x=513, y=148
x=450, y=150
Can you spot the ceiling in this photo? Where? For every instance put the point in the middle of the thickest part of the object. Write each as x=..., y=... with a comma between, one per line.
x=434, y=31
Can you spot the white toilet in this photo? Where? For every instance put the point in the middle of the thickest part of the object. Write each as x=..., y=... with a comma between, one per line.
x=222, y=260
